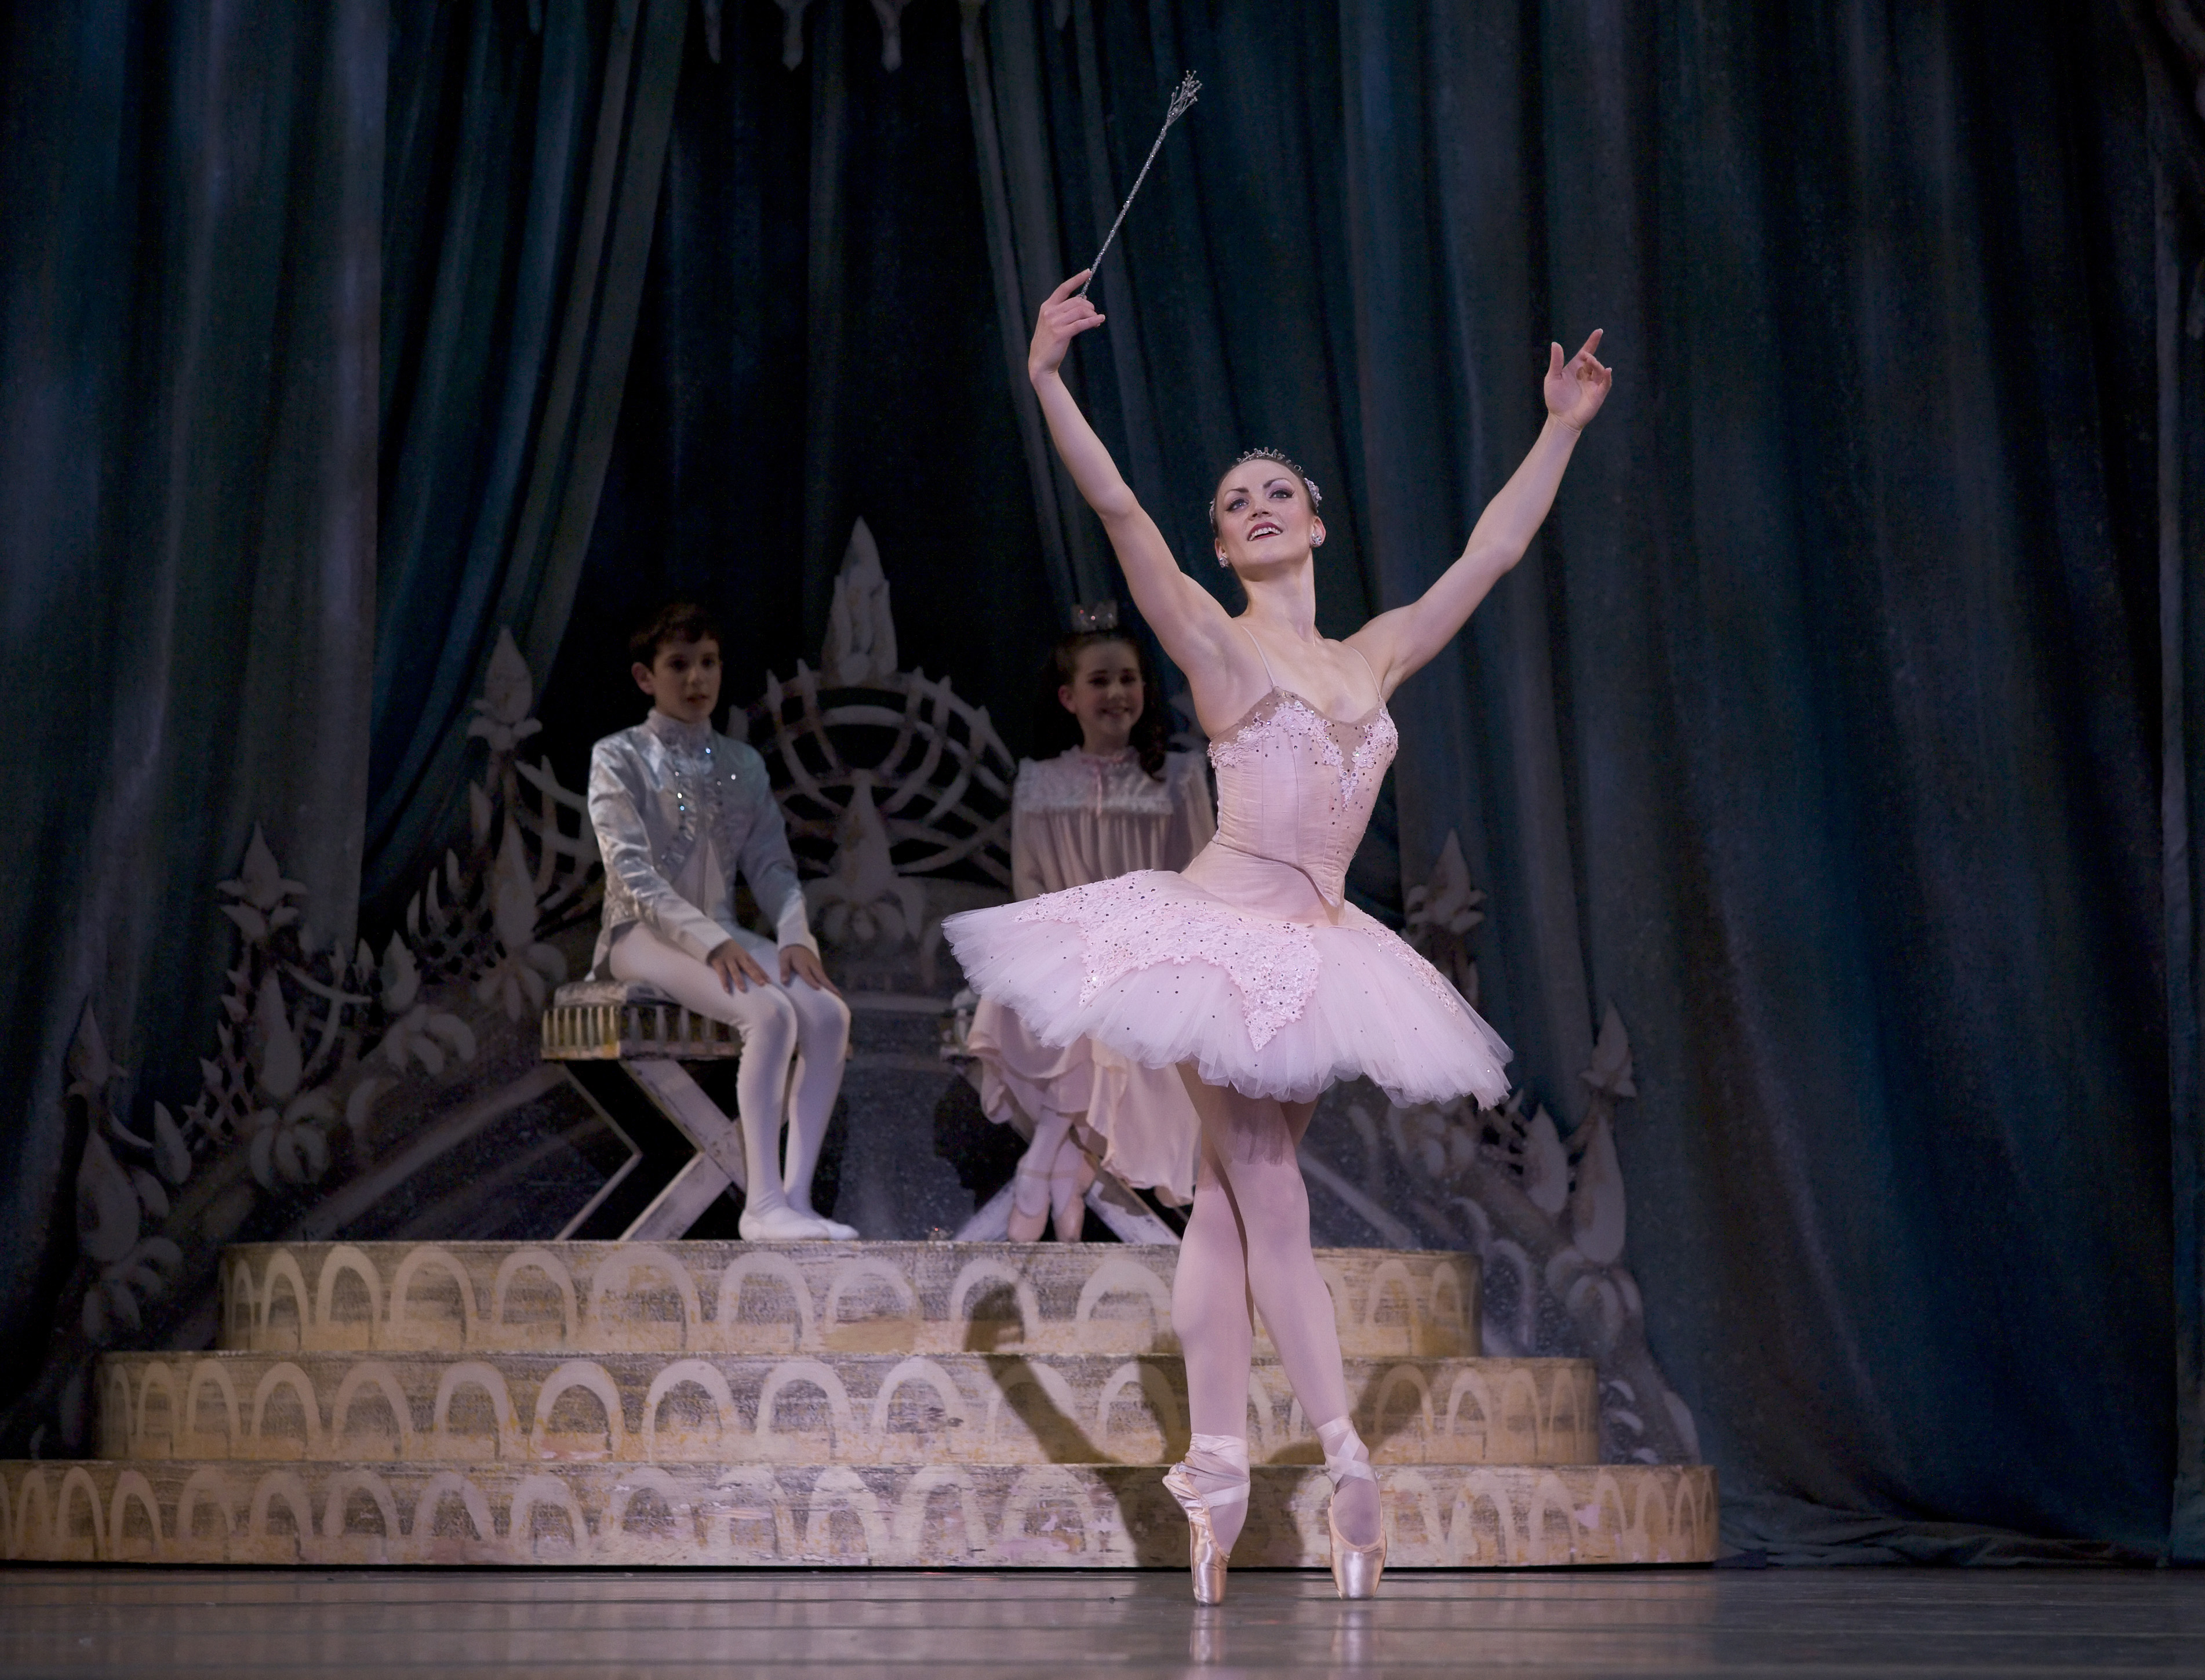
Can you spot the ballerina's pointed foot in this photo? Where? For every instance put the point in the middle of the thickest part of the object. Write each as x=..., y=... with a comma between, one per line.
x=1355, y=1566
x=1356, y=1569
x=1209, y=1483
x=1205, y=1557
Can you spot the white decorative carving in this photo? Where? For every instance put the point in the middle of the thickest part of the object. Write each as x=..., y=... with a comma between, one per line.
x=136, y=1268
x=1441, y=913
x=306, y=1038
x=862, y=898
x=792, y=31
x=1545, y=1214
x=932, y=795
x=525, y=971
x=508, y=691
x=861, y=640
x=891, y=13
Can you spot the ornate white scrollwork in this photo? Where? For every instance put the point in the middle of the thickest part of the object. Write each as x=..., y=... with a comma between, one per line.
x=883, y=775
x=1543, y=1212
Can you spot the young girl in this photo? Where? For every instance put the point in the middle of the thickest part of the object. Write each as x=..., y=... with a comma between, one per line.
x=1116, y=801
x=680, y=811
x=1248, y=971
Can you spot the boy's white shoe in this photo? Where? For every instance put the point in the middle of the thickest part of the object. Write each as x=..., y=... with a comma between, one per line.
x=785, y=1224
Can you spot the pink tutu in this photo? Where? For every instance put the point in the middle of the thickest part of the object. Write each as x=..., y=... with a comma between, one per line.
x=1161, y=971
x=1251, y=965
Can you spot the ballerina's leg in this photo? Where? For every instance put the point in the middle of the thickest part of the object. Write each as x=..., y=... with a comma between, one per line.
x=1210, y=1315
x=1254, y=1143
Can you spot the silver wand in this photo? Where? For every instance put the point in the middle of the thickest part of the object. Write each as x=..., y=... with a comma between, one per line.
x=1182, y=97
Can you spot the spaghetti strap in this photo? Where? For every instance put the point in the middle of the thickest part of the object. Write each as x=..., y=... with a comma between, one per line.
x=1376, y=687
x=1261, y=655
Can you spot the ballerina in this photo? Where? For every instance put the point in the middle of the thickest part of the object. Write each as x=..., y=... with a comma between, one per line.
x=1249, y=971
x=1116, y=801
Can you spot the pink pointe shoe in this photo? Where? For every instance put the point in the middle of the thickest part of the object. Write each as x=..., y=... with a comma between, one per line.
x=1355, y=1569
x=1205, y=1557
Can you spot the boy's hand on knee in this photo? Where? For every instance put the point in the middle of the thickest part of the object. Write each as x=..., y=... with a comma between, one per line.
x=736, y=968
x=804, y=963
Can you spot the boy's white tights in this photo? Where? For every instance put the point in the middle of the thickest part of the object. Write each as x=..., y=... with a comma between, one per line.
x=1247, y=1246
x=778, y=1025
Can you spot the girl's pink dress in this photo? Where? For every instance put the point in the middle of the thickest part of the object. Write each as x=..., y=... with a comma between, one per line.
x=1077, y=818
x=1250, y=964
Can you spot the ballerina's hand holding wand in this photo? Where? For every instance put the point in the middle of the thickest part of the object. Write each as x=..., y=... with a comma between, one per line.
x=1267, y=531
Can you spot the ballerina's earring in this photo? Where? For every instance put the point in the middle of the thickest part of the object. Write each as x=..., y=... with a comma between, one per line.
x=1221, y=560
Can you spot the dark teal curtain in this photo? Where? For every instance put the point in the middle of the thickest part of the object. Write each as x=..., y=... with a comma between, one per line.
x=2171, y=34
x=1820, y=732
x=192, y=198
x=816, y=343
x=314, y=327
x=526, y=149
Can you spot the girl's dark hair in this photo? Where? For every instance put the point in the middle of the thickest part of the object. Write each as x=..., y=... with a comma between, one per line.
x=1055, y=730
x=677, y=621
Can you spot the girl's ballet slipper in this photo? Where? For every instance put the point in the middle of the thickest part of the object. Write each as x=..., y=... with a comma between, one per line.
x=1025, y=1227
x=1068, y=1199
x=1205, y=1557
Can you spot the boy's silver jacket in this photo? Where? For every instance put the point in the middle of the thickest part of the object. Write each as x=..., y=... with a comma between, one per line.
x=660, y=791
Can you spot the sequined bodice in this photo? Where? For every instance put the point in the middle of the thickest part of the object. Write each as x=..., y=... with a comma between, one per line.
x=1297, y=786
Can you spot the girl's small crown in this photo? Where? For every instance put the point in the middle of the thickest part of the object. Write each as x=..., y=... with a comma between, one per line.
x=1094, y=615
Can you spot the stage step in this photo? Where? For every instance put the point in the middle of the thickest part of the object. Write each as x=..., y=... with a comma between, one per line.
x=863, y=1405
x=800, y=1297
x=838, y=1408
x=1051, y=1515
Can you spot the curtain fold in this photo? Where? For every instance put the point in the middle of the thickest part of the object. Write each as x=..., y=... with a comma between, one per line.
x=188, y=340
x=819, y=342
x=2171, y=61
x=526, y=165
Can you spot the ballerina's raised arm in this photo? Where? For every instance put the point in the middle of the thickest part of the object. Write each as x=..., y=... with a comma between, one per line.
x=1195, y=631
x=1400, y=642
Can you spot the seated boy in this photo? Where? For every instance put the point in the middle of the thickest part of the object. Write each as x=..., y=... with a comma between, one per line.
x=678, y=810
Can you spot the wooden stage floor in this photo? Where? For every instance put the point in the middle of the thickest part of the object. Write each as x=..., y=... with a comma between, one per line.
x=1810, y=1624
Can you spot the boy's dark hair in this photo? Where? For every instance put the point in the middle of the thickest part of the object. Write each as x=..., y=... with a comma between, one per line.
x=677, y=621
x=1057, y=729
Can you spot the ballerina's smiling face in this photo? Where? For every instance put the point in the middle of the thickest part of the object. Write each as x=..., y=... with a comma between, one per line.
x=1263, y=516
